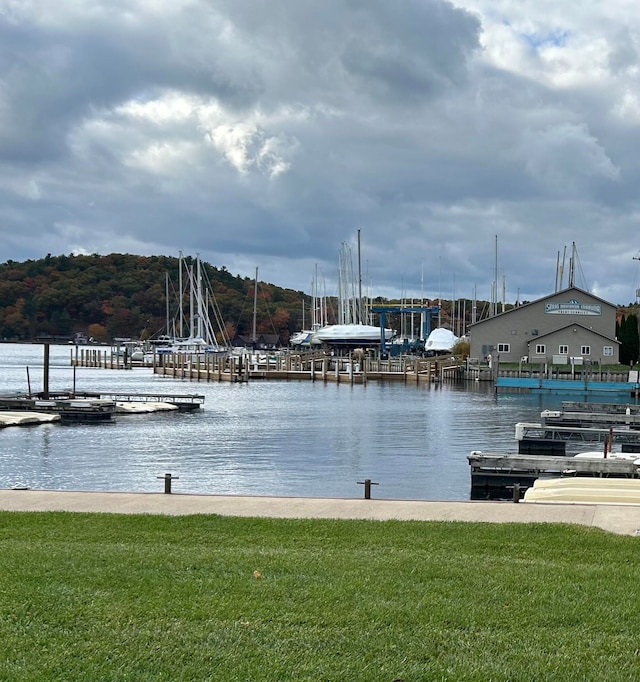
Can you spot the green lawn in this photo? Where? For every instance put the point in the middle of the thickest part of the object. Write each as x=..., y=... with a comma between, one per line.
x=115, y=597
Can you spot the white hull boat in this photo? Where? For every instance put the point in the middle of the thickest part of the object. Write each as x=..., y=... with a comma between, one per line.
x=353, y=334
x=440, y=341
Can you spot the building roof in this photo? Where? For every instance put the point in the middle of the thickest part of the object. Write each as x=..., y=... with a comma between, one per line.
x=544, y=298
x=573, y=324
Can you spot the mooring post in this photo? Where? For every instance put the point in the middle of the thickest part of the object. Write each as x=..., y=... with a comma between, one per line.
x=367, y=487
x=45, y=379
x=167, y=482
x=516, y=491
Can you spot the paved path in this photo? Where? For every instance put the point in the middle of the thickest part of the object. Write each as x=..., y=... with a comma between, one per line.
x=616, y=518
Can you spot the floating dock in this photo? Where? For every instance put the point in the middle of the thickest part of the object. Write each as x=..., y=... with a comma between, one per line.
x=542, y=385
x=601, y=415
x=492, y=475
x=93, y=407
x=70, y=409
x=183, y=402
x=542, y=449
x=531, y=431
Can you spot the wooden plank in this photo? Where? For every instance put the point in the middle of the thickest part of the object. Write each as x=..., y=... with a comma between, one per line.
x=541, y=463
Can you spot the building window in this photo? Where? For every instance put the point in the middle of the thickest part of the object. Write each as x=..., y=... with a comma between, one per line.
x=504, y=348
x=541, y=349
x=563, y=350
x=585, y=350
x=607, y=351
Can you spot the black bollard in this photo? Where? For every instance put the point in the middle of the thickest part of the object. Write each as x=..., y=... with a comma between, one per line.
x=167, y=482
x=516, y=491
x=367, y=487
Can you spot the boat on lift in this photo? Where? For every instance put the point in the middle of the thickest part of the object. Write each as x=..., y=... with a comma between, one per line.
x=353, y=329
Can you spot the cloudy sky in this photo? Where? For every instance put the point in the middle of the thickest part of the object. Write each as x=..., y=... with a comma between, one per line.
x=265, y=133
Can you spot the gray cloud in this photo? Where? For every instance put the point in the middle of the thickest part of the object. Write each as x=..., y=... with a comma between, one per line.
x=267, y=133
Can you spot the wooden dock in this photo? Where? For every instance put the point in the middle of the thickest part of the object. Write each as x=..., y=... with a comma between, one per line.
x=94, y=407
x=184, y=402
x=308, y=367
x=493, y=474
x=602, y=415
x=584, y=434
x=355, y=368
x=71, y=409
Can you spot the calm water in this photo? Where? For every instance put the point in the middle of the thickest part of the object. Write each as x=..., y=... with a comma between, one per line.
x=262, y=438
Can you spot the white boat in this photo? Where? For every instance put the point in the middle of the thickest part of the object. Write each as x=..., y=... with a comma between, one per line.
x=599, y=454
x=353, y=334
x=352, y=328
x=195, y=345
x=585, y=490
x=440, y=341
x=305, y=337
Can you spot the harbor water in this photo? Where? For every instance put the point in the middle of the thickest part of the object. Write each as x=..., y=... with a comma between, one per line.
x=282, y=438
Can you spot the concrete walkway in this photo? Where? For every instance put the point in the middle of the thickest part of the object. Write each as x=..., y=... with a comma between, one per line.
x=616, y=518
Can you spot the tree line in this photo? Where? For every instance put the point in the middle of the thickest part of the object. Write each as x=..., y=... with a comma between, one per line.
x=122, y=295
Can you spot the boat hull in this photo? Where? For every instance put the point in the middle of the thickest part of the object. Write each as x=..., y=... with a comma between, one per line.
x=353, y=334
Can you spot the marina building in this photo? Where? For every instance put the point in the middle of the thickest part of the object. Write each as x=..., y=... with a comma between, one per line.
x=570, y=326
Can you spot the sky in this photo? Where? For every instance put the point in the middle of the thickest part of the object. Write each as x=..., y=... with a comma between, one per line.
x=469, y=144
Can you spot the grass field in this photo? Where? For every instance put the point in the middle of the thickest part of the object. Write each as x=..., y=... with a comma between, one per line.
x=113, y=597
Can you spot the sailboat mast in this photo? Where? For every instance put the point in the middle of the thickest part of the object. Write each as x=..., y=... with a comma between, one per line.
x=495, y=280
x=191, y=301
x=166, y=295
x=360, y=316
x=199, y=311
x=180, y=299
x=255, y=307
x=572, y=265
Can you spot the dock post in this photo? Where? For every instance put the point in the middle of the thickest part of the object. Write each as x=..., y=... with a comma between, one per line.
x=367, y=487
x=516, y=491
x=167, y=482
x=45, y=379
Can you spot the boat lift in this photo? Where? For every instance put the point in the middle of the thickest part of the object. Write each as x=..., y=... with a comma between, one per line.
x=425, y=313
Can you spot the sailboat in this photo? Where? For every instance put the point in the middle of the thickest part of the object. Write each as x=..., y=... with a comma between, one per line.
x=351, y=329
x=201, y=338
x=307, y=337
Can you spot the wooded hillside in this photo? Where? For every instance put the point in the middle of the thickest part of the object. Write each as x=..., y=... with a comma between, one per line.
x=122, y=295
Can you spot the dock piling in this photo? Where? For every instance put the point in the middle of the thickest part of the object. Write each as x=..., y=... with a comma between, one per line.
x=516, y=491
x=367, y=487
x=167, y=482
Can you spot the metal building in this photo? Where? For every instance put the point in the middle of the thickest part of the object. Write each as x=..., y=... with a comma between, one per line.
x=568, y=326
